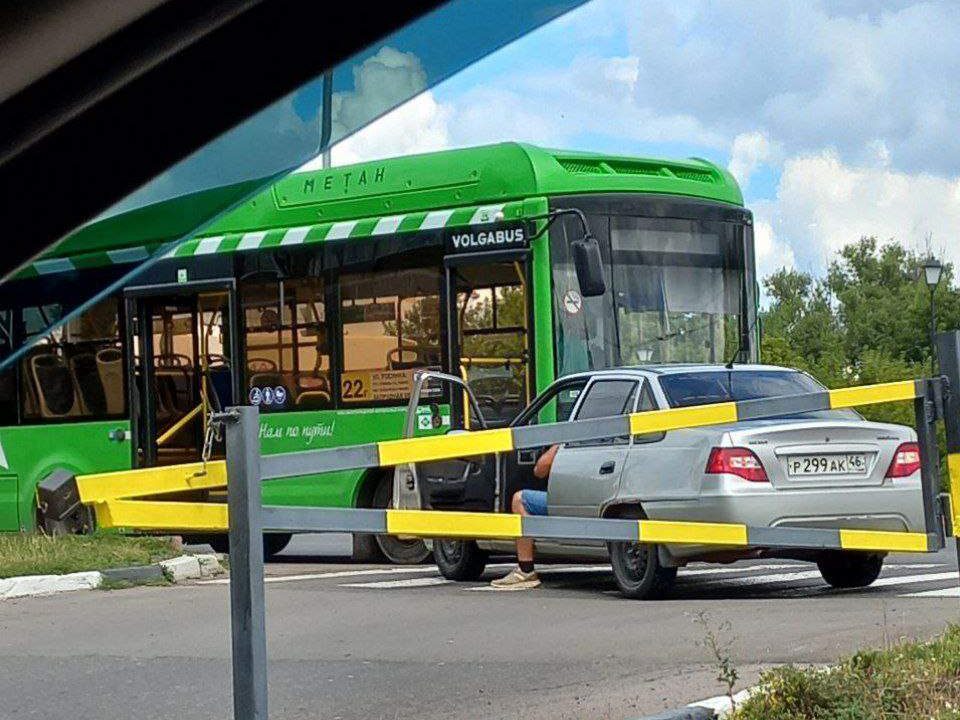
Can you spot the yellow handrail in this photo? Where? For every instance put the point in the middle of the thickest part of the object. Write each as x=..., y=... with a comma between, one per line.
x=179, y=424
x=490, y=361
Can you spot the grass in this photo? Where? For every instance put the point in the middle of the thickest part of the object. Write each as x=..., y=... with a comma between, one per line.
x=34, y=554
x=908, y=681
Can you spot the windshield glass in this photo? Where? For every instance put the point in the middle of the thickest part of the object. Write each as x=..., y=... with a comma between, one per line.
x=679, y=290
x=717, y=386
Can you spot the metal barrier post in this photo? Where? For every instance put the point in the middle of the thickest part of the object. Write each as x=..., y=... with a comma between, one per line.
x=948, y=353
x=247, y=613
x=925, y=408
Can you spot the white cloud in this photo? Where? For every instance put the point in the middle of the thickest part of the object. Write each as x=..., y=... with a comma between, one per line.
x=823, y=204
x=771, y=252
x=419, y=125
x=813, y=74
x=382, y=81
x=749, y=151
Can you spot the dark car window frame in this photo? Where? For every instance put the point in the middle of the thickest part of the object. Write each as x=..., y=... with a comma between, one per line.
x=636, y=392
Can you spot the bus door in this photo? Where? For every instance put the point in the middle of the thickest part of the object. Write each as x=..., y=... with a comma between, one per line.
x=182, y=345
x=488, y=338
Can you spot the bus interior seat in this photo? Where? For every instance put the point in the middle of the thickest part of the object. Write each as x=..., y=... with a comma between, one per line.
x=412, y=357
x=110, y=369
x=31, y=401
x=53, y=380
x=313, y=400
x=261, y=365
x=309, y=382
x=174, y=388
x=86, y=375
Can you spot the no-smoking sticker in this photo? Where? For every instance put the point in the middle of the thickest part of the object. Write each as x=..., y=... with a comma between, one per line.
x=572, y=302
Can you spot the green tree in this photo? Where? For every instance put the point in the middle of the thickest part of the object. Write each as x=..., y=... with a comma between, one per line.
x=866, y=321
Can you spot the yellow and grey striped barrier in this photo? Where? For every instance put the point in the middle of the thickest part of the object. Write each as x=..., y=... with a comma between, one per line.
x=118, y=498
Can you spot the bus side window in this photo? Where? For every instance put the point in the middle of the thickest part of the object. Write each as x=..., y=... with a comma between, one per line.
x=75, y=371
x=286, y=344
x=391, y=326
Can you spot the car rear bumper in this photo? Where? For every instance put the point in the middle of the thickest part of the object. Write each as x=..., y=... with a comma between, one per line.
x=895, y=507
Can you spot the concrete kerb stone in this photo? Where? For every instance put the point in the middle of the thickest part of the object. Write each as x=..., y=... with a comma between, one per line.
x=178, y=569
x=687, y=713
x=714, y=708
x=27, y=585
x=209, y=565
x=135, y=574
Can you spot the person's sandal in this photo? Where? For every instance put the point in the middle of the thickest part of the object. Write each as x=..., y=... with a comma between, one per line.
x=517, y=579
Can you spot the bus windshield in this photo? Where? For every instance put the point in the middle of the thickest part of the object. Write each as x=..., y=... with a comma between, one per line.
x=678, y=291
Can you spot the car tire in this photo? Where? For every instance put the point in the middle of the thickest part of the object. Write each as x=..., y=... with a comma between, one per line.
x=459, y=559
x=850, y=569
x=637, y=568
x=397, y=550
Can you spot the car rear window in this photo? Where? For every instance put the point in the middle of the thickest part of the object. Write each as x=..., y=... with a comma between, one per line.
x=702, y=388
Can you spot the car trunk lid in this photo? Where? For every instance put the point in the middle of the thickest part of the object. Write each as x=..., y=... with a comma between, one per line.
x=799, y=454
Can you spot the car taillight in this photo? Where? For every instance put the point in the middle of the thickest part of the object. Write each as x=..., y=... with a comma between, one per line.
x=737, y=461
x=906, y=461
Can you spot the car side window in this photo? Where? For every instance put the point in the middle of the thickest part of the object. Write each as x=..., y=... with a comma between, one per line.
x=646, y=404
x=607, y=398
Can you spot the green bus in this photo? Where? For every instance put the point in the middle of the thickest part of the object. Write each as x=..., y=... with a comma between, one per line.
x=319, y=298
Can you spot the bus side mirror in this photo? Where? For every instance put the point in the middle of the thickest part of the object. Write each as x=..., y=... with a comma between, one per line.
x=589, y=266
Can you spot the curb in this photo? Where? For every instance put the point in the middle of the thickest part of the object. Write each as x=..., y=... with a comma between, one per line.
x=714, y=708
x=687, y=713
x=185, y=567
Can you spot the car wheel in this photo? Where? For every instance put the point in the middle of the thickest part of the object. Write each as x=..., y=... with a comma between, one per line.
x=850, y=569
x=459, y=559
x=399, y=551
x=637, y=569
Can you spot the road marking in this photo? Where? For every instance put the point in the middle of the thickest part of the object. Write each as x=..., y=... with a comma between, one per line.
x=397, y=584
x=334, y=575
x=912, y=579
x=943, y=592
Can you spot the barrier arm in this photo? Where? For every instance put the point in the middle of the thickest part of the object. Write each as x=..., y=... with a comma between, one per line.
x=154, y=514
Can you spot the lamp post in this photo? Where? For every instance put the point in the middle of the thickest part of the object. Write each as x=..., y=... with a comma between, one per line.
x=932, y=271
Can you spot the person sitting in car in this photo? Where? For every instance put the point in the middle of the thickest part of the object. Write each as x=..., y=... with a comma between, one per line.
x=528, y=502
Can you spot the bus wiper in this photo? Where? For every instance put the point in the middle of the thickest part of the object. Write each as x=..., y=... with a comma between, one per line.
x=729, y=363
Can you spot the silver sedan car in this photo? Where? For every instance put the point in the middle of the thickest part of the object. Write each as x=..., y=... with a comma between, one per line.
x=824, y=469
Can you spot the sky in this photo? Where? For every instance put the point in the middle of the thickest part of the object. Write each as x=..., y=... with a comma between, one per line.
x=837, y=118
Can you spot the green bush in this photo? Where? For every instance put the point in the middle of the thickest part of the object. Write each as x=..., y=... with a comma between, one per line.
x=910, y=681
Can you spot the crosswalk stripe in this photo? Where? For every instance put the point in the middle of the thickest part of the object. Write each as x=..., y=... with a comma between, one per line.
x=396, y=584
x=913, y=579
x=942, y=592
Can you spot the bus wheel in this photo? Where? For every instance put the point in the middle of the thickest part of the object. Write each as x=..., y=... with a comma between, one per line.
x=273, y=543
x=459, y=559
x=398, y=550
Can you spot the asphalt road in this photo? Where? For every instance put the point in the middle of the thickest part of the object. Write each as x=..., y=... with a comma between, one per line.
x=350, y=641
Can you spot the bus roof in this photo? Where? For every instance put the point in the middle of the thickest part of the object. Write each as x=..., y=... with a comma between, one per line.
x=446, y=179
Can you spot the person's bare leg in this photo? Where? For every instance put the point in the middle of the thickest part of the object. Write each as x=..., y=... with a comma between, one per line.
x=524, y=545
x=522, y=577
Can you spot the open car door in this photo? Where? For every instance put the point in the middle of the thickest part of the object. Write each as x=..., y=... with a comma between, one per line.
x=468, y=483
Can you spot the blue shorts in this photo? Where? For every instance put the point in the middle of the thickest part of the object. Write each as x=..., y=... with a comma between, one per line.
x=534, y=501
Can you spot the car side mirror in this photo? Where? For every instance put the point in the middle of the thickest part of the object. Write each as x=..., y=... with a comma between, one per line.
x=589, y=266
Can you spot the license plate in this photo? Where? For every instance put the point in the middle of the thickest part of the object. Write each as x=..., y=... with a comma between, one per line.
x=847, y=464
